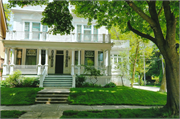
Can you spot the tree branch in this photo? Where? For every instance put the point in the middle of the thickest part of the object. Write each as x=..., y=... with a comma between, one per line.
x=141, y=34
x=141, y=13
x=160, y=11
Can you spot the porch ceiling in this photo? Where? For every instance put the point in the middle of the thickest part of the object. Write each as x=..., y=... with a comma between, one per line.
x=57, y=45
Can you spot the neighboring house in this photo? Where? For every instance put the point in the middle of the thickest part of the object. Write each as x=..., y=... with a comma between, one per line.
x=3, y=29
x=57, y=59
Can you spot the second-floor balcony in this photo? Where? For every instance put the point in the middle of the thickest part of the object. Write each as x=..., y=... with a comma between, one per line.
x=44, y=36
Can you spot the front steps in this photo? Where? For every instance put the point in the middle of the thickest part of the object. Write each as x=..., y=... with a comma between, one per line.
x=54, y=96
x=58, y=81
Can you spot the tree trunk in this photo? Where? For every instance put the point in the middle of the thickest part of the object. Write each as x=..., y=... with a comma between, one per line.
x=122, y=81
x=134, y=65
x=163, y=84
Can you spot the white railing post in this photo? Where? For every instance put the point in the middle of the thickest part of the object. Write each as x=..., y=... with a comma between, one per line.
x=12, y=62
x=39, y=65
x=74, y=82
x=103, y=38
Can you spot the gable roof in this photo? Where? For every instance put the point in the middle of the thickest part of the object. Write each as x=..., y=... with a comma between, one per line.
x=3, y=23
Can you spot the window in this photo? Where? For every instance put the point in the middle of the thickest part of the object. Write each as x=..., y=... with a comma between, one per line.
x=31, y=55
x=52, y=57
x=89, y=58
x=26, y=29
x=87, y=33
x=36, y=31
x=19, y=57
x=95, y=34
x=44, y=31
x=79, y=33
x=100, y=58
x=43, y=55
x=76, y=57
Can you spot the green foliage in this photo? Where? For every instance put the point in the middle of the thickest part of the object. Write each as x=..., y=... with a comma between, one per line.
x=91, y=70
x=18, y=96
x=7, y=13
x=90, y=85
x=58, y=18
x=121, y=113
x=115, y=96
x=80, y=80
x=4, y=83
x=11, y=114
x=110, y=85
x=16, y=80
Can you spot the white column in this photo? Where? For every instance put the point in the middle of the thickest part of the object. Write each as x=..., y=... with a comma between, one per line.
x=46, y=62
x=39, y=64
x=109, y=63
x=12, y=62
x=96, y=59
x=5, y=61
x=72, y=64
x=79, y=64
x=104, y=60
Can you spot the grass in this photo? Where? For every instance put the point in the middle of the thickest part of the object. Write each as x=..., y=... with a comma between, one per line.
x=123, y=113
x=116, y=96
x=18, y=96
x=11, y=114
x=153, y=85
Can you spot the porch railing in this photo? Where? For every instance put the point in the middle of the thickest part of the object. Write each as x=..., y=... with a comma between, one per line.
x=26, y=69
x=42, y=77
x=44, y=36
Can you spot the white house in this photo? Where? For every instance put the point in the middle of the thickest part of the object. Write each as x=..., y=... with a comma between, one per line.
x=57, y=59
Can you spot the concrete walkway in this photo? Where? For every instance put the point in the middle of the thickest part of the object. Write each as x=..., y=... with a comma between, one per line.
x=54, y=111
x=147, y=88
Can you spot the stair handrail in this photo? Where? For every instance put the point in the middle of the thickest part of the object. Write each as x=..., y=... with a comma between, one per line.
x=42, y=77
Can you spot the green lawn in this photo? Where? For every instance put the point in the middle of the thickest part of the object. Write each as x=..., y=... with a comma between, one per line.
x=11, y=114
x=154, y=85
x=118, y=96
x=18, y=96
x=123, y=113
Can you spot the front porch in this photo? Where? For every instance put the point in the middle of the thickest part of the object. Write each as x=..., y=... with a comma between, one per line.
x=57, y=60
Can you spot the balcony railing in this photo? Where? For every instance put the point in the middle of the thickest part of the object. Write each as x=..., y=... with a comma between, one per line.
x=44, y=36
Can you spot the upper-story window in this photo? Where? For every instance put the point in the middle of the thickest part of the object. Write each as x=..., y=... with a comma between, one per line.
x=35, y=31
x=87, y=33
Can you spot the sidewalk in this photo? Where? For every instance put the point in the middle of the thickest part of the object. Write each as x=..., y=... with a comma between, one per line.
x=147, y=88
x=54, y=111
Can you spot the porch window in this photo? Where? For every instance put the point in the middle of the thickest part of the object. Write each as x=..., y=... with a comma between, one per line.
x=87, y=33
x=76, y=57
x=19, y=57
x=36, y=31
x=89, y=58
x=43, y=53
x=26, y=30
x=31, y=55
x=100, y=58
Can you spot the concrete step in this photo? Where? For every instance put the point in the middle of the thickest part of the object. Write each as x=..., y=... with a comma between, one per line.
x=51, y=102
x=58, y=80
x=52, y=95
x=57, y=85
x=51, y=99
x=58, y=76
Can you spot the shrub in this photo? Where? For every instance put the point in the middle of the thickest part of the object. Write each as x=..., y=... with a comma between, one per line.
x=110, y=85
x=80, y=79
x=29, y=82
x=4, y=83
x=14, y=79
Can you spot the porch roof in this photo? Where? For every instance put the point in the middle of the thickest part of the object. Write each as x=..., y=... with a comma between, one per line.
x=57, y=45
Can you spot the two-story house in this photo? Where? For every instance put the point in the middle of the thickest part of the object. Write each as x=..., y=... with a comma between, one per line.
x=56, y=59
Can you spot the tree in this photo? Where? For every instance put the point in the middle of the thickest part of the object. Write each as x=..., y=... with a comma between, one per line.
x=7, y=13
x=153, y=20
x=123, y=67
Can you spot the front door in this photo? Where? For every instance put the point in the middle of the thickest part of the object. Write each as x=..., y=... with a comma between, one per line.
x=59, y=64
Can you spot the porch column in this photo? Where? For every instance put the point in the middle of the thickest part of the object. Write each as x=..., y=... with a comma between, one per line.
x=104, y=61
x=5, y=61
x=39, y=65
x=79, y=64
x=12, y=62
x=72, y=64
x=109, y=63
x=46, y=62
